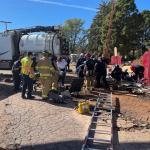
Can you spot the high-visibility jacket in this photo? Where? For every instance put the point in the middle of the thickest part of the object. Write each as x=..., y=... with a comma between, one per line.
x=26, y=63
x=32, y=73
x=45, y=68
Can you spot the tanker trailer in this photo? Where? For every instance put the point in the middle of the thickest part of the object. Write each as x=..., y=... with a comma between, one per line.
x=38, y=42
x=20, y=41
x=8, y=51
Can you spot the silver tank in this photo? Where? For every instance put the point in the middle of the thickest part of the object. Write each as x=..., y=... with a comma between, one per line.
x=39, y=42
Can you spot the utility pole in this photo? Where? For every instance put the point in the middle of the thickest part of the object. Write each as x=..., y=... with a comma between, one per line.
x=5, y=23
x=106, y=45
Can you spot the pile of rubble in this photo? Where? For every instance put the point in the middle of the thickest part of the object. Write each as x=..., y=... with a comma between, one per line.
x=129, y=124
x=130, y=87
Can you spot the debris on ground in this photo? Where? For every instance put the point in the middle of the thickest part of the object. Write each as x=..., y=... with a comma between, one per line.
x=133, y=117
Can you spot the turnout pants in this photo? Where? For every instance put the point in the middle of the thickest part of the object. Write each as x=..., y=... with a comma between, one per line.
x=89, y=82
x=55, y=81
x=46, y=86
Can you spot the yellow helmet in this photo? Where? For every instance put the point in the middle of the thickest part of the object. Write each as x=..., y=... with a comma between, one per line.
x=46, y=53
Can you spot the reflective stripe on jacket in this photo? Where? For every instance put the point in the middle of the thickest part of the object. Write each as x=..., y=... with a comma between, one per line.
x=45, y=68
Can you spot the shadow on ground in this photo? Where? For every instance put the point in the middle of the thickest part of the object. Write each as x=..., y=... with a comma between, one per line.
x=6, y=90
x=115, y=128
x=67, y=103
x=64, y=145
x=75, y=145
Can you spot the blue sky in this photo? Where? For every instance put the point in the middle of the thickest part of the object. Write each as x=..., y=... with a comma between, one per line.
x=26, y=13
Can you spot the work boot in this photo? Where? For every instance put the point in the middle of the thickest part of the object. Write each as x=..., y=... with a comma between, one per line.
x=30, y=97
x=16, y=91
x=23, y=97
x=44, y=98
x=62, y=102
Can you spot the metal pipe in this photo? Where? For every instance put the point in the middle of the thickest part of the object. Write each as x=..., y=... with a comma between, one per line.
x=5, y=23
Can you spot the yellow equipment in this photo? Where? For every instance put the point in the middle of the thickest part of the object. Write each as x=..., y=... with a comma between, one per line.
x=83, y=107
x=26, y=63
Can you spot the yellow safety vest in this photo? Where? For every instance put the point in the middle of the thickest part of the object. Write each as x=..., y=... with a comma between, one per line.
x=26, y=63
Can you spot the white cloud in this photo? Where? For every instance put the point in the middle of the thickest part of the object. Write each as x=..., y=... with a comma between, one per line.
x=64, y=4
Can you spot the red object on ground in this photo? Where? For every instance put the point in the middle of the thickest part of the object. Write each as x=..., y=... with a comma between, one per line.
x=132, y=68
x=116, y=60
x=146, y=64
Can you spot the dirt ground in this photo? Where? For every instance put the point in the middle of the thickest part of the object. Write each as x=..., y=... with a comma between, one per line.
x=131, y=123
x=133, y=107
x=38, y=125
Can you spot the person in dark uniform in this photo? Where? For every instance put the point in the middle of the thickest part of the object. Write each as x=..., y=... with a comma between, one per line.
x=139, y=72
x=68, y=63
x=16, y=73
x=80, y=70
x=81, y=60
x=100, y=72
x=34, y=63
x=117, y=73
x=89, y=71
x=125, y=75
x=94, y=58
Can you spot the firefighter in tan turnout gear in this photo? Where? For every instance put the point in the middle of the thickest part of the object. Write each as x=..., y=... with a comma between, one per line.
x=47, y=72
x=55, y=76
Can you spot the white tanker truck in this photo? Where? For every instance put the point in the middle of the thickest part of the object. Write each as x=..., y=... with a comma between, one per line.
x=16, y=42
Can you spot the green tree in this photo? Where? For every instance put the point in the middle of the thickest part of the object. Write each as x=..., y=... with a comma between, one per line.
x=126, y=27
x=96, y=31
x=76, y=35
x=145, y=37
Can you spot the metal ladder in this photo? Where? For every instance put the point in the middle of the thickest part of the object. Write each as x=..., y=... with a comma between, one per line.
x=100, y=131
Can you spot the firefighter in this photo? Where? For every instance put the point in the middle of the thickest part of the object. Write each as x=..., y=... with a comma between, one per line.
x=89, y=71
x=47, y=72
x=27, y=75
x=53, y=59
x=16, y=70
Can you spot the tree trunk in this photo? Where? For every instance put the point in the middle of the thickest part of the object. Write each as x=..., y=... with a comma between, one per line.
x=106, y=45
